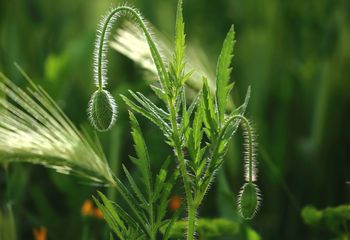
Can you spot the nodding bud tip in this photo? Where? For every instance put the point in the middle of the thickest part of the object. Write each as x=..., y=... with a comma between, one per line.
x=102, y=110
x=249, y=200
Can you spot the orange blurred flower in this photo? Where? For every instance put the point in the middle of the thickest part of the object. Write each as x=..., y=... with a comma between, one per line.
x=40, y=233
x=98, y=213
x=175, y=203
x=87, y=209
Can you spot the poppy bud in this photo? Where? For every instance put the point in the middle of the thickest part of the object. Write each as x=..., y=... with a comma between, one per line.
x=249, y=200
x=102, y=110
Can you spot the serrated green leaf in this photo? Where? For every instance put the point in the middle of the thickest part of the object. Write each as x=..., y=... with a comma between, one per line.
x=160, y=179
x=179, y=42
x=197, y=127
x=148, y=104
x=194, y=104
x=158, y=61
x=110, y=215
x=185, y=121
x=134, y=187
x=159, y=92
x=223, y=71
x=127, y=218
x=170, y=224
x=124, y=226
x=167, y=188
x=142, y=154
x=156, y=119
x=210, y=117
x=186, y=77
x=133, y=204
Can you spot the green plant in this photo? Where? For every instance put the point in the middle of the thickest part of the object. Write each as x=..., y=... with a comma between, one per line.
x=334, y=219
x=198, y=133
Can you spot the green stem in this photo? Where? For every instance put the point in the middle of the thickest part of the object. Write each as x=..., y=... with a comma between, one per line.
x=247, y=127
x=250, y=142
x=153, y=235
x=209, y=174
x=151, y=216
x=191, y=210
x=85, y=234
x=139, y=21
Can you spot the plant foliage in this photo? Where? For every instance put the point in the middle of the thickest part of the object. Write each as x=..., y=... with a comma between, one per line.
x=198, y=133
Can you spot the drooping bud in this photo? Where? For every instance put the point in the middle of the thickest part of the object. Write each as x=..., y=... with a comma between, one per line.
x=102, y=110
x=249, y=200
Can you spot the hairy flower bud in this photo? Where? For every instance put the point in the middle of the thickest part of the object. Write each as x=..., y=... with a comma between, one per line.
x=102, y=110
x=249, y=200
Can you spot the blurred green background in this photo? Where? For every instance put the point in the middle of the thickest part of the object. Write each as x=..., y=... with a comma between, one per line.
x=294, y=54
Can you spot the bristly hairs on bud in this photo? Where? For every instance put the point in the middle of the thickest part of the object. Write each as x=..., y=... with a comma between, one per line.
x=100, y=60
x=102, y=110
x=249, y=198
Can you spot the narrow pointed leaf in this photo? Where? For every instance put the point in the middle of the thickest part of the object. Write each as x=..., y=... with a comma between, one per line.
x=142, y=154
x=179, y=41
x=223, y=71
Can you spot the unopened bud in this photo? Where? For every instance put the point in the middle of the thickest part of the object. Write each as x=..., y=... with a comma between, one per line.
x=102, y=110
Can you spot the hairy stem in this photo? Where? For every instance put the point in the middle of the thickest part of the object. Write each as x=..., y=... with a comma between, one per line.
x=246, y=125
x=100, y=49
x=178, y=151
x=192, y=211
x=209, y=174
x=250, y=149
x=139, y=21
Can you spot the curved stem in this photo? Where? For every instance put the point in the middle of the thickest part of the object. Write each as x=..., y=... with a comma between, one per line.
x=139, y=21
x=209, y=173
x=100, y=49
x=250, y=144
